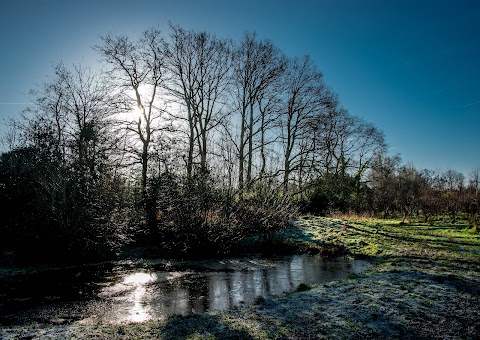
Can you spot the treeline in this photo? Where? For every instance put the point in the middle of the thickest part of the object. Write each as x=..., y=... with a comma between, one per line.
x=187, y=141
x=391, y=189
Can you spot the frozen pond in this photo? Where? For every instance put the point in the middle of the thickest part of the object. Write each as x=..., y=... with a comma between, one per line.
x=139, y=291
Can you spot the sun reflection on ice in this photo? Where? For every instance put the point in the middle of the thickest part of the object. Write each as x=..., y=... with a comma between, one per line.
x=139, y=278
x=139, y=311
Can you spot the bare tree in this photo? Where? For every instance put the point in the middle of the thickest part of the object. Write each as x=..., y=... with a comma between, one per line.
x=410, y=185
x=431, y=194
x=75, y=109
x=354, y=145
x=454, y=185
x=270, y=107
x=472, y=199
x=52, y=98
x=138, y=68
x=383, y=181
x=199, y=65
x=305, y=98
x=474, y=181
x=257, y=67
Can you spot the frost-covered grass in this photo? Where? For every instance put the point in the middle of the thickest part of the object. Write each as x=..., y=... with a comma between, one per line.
x=425, y=284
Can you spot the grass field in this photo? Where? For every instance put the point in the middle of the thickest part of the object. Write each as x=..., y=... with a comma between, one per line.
x=425, y=283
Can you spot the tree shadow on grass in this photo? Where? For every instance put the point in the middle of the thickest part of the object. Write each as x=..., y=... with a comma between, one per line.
x=202, y=326
x=407, y=305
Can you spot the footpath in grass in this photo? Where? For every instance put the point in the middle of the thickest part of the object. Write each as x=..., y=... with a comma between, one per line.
x=425, y=283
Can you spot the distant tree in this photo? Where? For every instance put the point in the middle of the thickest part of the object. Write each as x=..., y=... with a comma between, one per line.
x=474, y=181
x=430, y=202
x=453, y=190
x=345, y=146
x=383, y=180
x=365, y=142
x=472, y=199
x=410, y=187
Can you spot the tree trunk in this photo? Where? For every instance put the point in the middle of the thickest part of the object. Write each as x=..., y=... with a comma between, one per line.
x=241, y=152
x=286, y=174
x=262, y=148
x=191, y=142
x=203, y=155
x=250, y=147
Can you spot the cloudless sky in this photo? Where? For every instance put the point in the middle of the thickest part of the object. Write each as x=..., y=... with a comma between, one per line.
x=410, y=67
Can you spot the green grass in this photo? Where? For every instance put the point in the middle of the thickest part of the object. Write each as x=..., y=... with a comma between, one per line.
x=425, y=284
x=392, y=238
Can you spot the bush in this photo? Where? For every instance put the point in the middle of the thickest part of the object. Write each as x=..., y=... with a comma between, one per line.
x=58, y=212
x=194, y=218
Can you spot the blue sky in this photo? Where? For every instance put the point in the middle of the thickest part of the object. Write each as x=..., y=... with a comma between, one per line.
x=410, y=67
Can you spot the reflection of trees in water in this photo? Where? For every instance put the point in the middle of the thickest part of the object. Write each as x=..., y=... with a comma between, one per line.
x=196, y=292
x=116, y=294
x=124, y=295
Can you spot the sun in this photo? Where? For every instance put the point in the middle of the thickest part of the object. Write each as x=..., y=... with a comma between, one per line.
x=131, y=113
x=137, y=112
